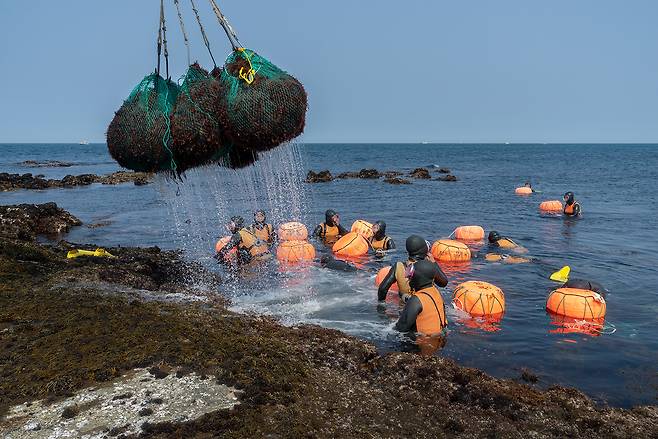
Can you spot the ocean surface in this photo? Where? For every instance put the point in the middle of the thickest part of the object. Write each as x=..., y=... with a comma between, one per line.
x=614, y=243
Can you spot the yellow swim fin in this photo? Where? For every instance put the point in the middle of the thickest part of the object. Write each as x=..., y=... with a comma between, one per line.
x=98, y=252
x=562, y=275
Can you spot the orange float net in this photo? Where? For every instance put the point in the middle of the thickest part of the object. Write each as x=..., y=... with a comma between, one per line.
x=292, y=231
x=351, y=245
x=295, y=251
x=479, y=298
x=469, y=233
x=551, y=206
x=523, y=191
x=576, y=303
x=381, y=274
x=448, y=250
x=363, y=228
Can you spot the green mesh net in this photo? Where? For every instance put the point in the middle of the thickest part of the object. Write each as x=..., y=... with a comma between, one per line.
x=195, y=127
x=139, y=136
x=263, y=106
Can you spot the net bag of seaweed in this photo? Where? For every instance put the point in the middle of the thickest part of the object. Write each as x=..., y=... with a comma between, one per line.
x=139, y=136
x=197, y=133
x=263, y=106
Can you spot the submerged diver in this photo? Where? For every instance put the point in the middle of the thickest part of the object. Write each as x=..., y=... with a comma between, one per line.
x=332, y=263
x=418, y=250
x=571, y=207
x=425, y=311
x=379, y=240
x=583, y=284
x=503, y=242
x=330, y=230
x=498, y=241
x=248, y=246
x=262, y=230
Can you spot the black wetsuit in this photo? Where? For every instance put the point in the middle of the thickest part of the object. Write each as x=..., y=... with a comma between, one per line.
x=244, y=257
x=439, y=278
x=413, y=307
x=585, y=285
x=333, y=264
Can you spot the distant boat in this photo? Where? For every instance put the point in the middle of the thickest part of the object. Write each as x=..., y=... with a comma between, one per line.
x=84, y=142
x=424, y=143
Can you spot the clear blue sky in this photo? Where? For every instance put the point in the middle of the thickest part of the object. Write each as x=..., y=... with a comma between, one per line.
x=375, y=71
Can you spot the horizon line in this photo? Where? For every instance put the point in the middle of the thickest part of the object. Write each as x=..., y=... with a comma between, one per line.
x=381, y=143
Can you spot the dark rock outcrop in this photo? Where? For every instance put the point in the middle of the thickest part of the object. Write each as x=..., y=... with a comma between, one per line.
x=26, y=221
x=46, y=164
x=443, y=171
x=9, y=182
x=396, y=180
x=319, y=177
x=420, y=173
x=448, y=177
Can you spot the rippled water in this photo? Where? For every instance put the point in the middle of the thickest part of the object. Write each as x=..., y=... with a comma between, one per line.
x=614, y=243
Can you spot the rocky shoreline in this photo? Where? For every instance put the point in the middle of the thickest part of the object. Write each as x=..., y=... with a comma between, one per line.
x=12, y=182
x=391, y=177
x=78, y=325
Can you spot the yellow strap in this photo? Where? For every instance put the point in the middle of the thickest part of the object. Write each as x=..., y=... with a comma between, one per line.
x=251, y=73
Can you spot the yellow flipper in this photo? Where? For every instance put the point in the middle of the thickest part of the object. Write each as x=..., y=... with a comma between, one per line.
x=562, y=275
x=99, y=252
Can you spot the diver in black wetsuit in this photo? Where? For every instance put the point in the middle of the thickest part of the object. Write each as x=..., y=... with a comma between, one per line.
x=424, y=312
x=379, y=240
x=263, y=230
x=418, y=249
x=571, y=207
x=585, y=285
x=330, y=230
x=248, y=246
x=331, y=263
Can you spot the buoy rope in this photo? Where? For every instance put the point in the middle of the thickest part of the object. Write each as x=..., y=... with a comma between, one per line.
x=182, y=28
x=203, y=32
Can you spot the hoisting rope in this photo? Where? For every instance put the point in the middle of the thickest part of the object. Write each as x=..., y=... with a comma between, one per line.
x=164, y=36
x=182, y=28
x=157, y=69
x=203, y=32
x=230, y=33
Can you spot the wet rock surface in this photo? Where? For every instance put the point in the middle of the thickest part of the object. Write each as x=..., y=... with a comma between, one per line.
x=391, y=177
x=59, y=342
x=10, y=182
x=46, y=164
x=396, y=180
x=26, y=221
x=319, y=177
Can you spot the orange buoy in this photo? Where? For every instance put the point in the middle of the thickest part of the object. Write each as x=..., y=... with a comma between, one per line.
x=381, y=274
x=292, y=231
x=221, y=244
x=363, y=228
x=295, y=251
x=523, y=191
x=448, y=250
x=576, y=303
x=351, y=244
x=479, y=298
x=551, y=206
x=469, y=233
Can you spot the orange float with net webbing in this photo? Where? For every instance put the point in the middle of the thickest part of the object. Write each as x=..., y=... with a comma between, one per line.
x=551, y=206
x=292, y=231
x=469, y=233
x=449, y=250
x=479, y=298
x=351, y=245
x=295, y=251
x=363, y=228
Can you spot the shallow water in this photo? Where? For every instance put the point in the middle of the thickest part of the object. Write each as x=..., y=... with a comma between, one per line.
x=614, y=243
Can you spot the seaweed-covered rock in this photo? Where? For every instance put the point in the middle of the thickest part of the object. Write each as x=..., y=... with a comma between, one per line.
x=420, y=173
x=9, y=182
x=26, y=221
x=448, y=177
x=396, y=180
x=319, y=177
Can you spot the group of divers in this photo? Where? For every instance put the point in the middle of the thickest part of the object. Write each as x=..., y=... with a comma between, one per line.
x=417, y=277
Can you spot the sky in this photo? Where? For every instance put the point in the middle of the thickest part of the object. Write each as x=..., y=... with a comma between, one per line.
x=375, y=70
